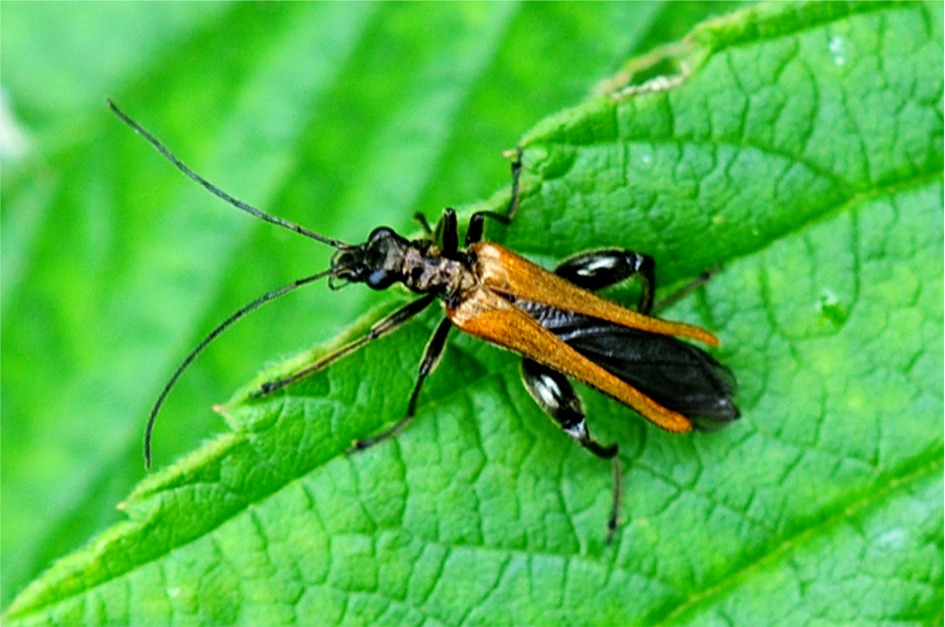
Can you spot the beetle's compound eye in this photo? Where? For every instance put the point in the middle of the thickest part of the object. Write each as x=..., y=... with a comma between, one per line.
x=380, y=279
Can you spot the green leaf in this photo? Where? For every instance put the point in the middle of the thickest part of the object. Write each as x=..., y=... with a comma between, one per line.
x=799, y=146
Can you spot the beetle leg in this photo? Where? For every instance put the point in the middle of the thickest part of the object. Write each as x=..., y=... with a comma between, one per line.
x=476, y=222
x=422, y=220
x=599, y=269
x=686, y=289
x=431, y=358
x=554, y=393
x=474, y=230
x=391, y=323
x=516, y=174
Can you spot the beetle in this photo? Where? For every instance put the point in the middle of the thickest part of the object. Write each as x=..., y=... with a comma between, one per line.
x=555, y=320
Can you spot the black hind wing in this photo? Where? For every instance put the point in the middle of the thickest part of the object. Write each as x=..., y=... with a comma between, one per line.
x=675, y=374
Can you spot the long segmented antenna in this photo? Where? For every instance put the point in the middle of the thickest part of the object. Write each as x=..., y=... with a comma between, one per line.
x=216, y=191
x=262, y=300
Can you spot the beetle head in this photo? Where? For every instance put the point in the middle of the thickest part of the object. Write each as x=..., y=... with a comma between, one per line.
x=376, y=263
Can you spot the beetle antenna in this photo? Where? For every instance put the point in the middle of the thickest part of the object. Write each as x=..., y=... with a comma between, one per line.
x=216, y=191
x=262, y=300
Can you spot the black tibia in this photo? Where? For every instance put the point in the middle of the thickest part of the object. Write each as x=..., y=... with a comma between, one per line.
x=598, y=269
x=431, y=358
x=614, y=521
x=552, y=391
x=379, y=329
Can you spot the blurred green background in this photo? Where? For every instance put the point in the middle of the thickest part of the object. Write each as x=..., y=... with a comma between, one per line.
x=338, y=116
